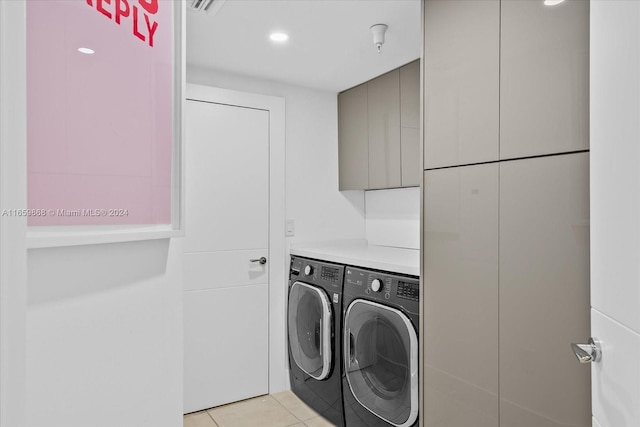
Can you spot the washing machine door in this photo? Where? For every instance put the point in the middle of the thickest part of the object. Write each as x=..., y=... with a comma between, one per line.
x=310, y=323
x=381, y=361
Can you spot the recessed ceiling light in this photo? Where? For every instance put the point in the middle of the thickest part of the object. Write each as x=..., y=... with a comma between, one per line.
x=86, y=50
x=552, y=2
x=279, y=37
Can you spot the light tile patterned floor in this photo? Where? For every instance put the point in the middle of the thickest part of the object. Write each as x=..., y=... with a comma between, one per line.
x=277, y=410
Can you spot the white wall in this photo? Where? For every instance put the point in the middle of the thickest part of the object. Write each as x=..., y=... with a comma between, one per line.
x=615, y=210
x=393, y=217
x=103, y=323
x=104, y=335
x=94, y=338
x=313, y=201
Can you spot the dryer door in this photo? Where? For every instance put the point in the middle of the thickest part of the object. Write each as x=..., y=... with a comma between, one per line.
x=310, y=324
x=381, y=361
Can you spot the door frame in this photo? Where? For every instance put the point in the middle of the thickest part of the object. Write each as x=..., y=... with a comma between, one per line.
x=13, y=195
x=278, y=370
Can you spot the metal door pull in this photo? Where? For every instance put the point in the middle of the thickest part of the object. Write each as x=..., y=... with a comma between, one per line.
x=321, y=340
x=261, y=260
x=587, y=353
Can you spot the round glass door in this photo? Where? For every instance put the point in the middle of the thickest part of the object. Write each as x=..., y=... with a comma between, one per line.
x=310, y=322
x=381, y=361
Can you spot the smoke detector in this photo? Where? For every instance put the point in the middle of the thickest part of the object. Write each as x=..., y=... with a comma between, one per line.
x=378, y=31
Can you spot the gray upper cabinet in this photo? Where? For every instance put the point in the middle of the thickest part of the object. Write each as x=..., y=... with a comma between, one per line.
x=544, y=78
x=384, y=130
x=379, y=131
x=410, y=95
x=410, y=124
x=461, y=81
x=410, y=154
x=353, y=148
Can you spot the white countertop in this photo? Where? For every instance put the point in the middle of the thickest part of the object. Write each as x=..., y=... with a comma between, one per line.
x=360, y=254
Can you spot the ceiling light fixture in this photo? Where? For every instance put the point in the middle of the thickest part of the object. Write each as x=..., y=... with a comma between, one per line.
x=552, y=2
x=279, y=37
x=86, y=50
x=378, y=31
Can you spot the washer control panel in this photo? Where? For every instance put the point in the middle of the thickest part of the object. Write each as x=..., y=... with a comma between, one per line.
x=383, y=287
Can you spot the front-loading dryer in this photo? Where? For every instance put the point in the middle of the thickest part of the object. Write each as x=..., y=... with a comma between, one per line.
x=315, y=340
x=380, y=327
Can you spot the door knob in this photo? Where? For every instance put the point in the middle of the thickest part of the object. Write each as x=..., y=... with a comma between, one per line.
x=262, y=260
x=587, y=353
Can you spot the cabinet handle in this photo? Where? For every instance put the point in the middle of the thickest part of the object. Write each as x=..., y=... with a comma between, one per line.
x=587, y=353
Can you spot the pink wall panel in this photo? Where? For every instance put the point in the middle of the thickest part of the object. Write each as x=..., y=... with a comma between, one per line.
x=99, y=126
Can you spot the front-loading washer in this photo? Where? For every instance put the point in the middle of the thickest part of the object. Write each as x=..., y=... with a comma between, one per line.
x=315, y=340
x=380, y=329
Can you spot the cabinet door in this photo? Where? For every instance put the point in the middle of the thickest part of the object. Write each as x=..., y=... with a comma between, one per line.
x=461, y=81
x=353, y=142
x=460, y=297
x=410, y=95
x=410, y=124
x=410, y=154
x=384, y=130
x=544, y=78
x=544, y=291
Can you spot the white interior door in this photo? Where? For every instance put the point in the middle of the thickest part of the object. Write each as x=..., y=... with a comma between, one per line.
x=615, y=211
x=226, y=300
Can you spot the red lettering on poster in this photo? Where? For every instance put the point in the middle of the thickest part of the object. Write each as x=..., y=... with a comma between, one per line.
x=103, y=10
x=122, y=9
x=135, y=25
x=150, y=6
x=151, y=29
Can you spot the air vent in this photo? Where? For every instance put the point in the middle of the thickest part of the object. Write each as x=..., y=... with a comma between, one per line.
x=201, y=5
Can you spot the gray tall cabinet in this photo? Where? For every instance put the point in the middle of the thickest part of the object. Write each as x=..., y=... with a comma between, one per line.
x=506, y=213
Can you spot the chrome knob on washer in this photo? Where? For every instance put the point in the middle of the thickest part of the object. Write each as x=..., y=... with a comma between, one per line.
x=308, y=270
x=376, y=285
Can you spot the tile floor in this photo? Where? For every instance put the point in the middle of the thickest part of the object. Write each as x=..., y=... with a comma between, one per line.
x=275, y=410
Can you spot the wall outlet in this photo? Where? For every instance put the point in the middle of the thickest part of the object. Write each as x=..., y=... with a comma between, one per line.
x=290, y=228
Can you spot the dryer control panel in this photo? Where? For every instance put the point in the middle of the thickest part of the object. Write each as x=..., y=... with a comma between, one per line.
x=408, y=290
x=384, y=287
x=314, y=272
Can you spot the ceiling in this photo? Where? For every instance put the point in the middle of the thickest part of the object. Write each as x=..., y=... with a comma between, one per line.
x=330, y=46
